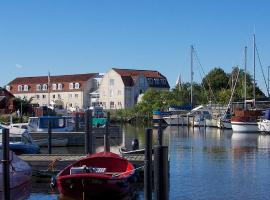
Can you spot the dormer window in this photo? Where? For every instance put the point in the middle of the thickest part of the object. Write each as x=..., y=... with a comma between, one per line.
x=60, y=86
x=44, y=87
x=71, y=86
x=38, y=87
x=7, y=87
x=54, y=86
x=20, y=88
x=25, y=87
x=77, y=85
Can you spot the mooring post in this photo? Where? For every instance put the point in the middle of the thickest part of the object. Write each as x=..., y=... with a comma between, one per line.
x=87, y=131
x=159, y=133
x=107, y=134
x=5, y=165
x=161, y=175
x=148, y=165
x=49, y=136
x=76, y=122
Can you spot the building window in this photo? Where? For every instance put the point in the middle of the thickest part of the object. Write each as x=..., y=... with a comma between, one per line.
x=111, y=93
x=45, y=87
x=163, y=81
x=77, y=85
x=60, y=86
x=54, y=86
x=150, y=80
x=156, y=81
x=69, y=95
x=59, y=96
x=37, y=96
x=111, y=104
x=20, y=87
x=43, y=96
x=53, y=96
x=8, y=88
x=111, y=82
x=25, y=87
x=38, y=87
x=76, y=96
x=119, y=92
x=119, y=104
x=71, y=86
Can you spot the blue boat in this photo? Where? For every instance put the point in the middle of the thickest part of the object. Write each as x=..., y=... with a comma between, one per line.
x=20, y=141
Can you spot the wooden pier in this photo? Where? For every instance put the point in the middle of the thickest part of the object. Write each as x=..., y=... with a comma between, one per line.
x=57, y=162
x=78, y=138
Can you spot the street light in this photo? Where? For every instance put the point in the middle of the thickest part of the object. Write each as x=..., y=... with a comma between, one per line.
x=268, y=83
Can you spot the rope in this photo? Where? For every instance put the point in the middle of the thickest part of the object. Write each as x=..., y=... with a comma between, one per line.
x=118, y=174
x=51, y=166
x=261, y=67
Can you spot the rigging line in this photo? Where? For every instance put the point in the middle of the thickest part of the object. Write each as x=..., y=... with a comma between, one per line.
x=261, y=66
x=205, y=92
x=208, y=82
x=228, y=106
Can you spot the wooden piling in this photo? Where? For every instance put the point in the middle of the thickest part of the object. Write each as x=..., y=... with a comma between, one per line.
x=161, y=175
x=107, y=135
x=148, y=165
x=5, y=165
x=49, y=137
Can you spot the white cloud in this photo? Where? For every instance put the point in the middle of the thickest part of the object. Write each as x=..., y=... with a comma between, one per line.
x=18, y=66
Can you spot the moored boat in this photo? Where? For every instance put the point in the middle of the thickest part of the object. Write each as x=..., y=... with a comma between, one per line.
x=245, y=121
x=264, y=124
x=102, y=174
x=20, y=141
x=56, y=142
x=20, y=177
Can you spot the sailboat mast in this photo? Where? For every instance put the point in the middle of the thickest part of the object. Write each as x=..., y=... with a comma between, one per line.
x=191, y=77
x=254, y=64
x=245, y=83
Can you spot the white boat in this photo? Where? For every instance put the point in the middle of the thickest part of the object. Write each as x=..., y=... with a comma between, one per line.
x=20, y=177
x=264, y=124
x=224, y=123
x=198, y=116
x=58, y=124
x=56, y=142
x=20, y=141
x=244, y=127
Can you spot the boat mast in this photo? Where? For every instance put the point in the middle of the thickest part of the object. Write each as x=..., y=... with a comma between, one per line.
x=245, y=83
x=191, y=77
x=254, y=64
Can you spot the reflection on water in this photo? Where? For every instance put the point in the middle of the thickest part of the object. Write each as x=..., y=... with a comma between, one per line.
x=204, y=164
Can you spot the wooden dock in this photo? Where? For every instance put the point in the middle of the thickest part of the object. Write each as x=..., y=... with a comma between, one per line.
x=57, y=162
x=77, y=138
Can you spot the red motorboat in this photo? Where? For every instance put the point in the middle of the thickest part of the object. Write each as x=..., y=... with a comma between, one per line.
x=102, y=174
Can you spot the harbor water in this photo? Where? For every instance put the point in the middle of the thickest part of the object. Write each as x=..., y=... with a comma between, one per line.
x=204, y=164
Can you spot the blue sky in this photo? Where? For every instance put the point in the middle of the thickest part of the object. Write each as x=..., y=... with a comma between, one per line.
x=66, y=37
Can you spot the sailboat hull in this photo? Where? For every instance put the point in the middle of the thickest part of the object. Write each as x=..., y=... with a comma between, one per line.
x=245, y=127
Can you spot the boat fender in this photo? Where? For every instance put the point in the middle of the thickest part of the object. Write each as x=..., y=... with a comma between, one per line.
x=53, y=183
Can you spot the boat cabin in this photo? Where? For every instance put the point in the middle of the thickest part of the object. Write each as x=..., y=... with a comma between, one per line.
x=58, y=124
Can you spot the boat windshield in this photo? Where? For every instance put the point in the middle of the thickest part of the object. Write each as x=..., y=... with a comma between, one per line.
x=55, y=122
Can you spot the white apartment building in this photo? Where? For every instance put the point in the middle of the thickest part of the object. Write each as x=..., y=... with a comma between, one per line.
x=64, y=91
x=120, y=88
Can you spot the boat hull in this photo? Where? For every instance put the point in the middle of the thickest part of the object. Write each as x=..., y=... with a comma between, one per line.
x=264, y=126
x=103, y=174
x=245, y=127
x=88, y=186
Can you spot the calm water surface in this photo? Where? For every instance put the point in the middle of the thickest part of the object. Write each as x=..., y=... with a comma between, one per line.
x=211, y=164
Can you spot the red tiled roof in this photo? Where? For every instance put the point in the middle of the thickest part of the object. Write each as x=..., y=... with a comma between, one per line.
x=53, y=79
x=129, y=76
x=136, y=72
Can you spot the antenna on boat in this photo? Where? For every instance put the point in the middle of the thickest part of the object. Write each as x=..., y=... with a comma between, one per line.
x=191, y=76
x=245, y=86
